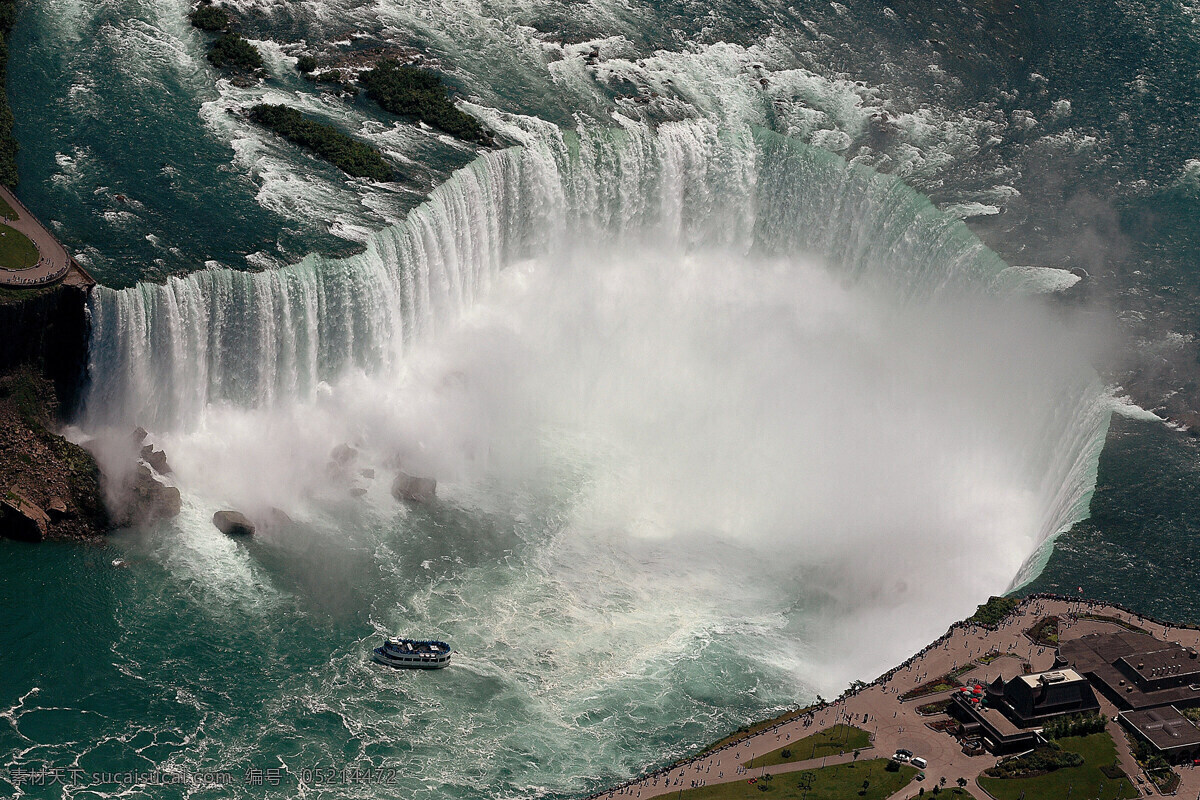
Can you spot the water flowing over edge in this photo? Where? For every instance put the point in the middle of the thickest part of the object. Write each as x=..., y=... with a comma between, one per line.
x=161, y=353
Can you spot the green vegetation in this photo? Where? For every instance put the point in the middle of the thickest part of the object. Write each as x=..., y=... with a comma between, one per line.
x=13, y=294
x=210, y=18
x=869, y=780
x=1158, y=770
x=936, y=707
x=993, y=611
x=231, y=52
x=306, y=64
x=350, y=156
x=829, y=742
x=749, y=730
x=1088, y=778
x=1075, y=725
x=8, y=142
x=988, y=657
x=943, y=683
x=7, y=211
x=1041, y=761
x=420, y=93
x=1045, y=632
x=16, y=249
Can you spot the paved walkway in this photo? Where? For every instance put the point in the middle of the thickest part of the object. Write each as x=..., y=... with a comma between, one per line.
x=53, y=262
x=894, y=724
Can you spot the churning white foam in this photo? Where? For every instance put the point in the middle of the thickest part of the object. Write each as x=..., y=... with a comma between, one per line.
x=875, y=468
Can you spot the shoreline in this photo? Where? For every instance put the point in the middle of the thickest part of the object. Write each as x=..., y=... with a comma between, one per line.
x=982, y=638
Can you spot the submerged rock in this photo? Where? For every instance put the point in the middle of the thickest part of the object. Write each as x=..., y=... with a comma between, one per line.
x=414, y=489
x=233, y=523
x=21, y=519
x=343, y=454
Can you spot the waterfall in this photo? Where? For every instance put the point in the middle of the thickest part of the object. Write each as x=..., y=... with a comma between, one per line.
x=162, y=353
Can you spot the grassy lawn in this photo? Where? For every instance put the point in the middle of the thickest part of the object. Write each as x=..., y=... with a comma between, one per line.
x=829, y=742
x=839, y=782
x=16, y=250
x=7, y=211
x=1097, y=751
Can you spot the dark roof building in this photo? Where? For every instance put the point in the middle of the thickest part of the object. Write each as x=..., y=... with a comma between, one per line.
x=1135, y=670
x=1166, y=730
x=1010, y=715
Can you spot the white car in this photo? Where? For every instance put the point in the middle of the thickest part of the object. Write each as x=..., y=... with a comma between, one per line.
x=919, y=762
x=899, y=756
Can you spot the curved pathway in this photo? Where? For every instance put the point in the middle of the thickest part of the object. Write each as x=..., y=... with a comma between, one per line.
x=894, y=724
x=53, y=259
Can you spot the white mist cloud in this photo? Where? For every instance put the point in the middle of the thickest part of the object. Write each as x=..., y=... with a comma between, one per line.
x=738, y=428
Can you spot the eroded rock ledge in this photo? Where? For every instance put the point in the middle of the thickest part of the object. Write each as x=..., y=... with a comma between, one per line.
x=49, y=487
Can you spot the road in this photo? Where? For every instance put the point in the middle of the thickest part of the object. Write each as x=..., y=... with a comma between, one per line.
x=53, y=262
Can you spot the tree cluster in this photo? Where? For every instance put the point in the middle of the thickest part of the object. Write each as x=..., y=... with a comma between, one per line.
x=230, y=51
x=993, y=611
x=349, y=155
x=208, y=17
x=1040, y=761
x=8, y=142
x=1075, y=725
x=414, y=92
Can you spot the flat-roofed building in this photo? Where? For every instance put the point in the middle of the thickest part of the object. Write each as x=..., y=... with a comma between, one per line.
x=1135, y=670
x=1166, y=730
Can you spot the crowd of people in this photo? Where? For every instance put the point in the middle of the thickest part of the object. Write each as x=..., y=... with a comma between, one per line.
x=11, y=277
x=1033, y=602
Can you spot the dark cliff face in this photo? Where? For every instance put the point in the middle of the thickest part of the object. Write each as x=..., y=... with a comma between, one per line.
x=49, y=487
x=47, y=330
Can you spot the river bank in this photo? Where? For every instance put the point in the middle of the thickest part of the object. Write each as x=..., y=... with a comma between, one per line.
x=889, y=713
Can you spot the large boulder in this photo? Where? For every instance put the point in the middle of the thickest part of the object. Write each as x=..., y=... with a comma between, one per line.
x=414, y=489
x=21, y=519
x=156, y=459
x=149, y=500
x=57, y=509
x=343, y=454
x=232, y=523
